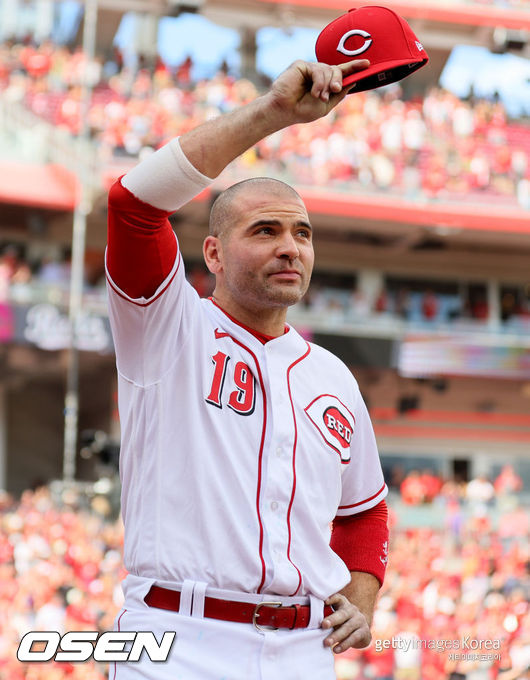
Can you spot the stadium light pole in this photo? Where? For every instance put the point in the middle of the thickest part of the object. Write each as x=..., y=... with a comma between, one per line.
x=81, y=211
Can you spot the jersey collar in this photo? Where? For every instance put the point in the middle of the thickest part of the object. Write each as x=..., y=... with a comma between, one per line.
x=291, y=340
x=262, y=337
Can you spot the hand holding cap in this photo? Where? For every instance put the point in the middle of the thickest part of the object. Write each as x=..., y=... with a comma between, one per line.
x=374, y=33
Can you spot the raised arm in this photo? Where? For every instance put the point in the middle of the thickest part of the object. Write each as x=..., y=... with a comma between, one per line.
x=141, y=245
x=304, y=92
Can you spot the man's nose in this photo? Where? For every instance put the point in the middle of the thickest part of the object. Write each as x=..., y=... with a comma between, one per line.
x=288, y=247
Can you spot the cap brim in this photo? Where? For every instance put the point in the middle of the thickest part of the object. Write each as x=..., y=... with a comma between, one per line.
x=381, y=74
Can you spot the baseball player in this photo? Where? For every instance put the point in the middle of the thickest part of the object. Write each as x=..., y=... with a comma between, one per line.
x=241, y=442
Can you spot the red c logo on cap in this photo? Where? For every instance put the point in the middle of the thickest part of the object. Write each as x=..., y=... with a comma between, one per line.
x=351, y=53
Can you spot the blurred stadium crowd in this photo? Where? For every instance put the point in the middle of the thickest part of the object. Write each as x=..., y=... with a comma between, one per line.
x=426, y=486
x=435, y=147
x=60, y=568
x=28, y=277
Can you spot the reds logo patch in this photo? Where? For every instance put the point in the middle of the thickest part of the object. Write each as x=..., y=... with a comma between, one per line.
x=368, y=40
x=334, y=421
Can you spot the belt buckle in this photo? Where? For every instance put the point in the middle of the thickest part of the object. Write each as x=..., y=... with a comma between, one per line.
x=255, y=616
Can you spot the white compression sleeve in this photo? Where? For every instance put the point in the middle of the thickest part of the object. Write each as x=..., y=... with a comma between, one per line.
x=166, y=179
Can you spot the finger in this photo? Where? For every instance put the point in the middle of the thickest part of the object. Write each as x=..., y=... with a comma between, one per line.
x=358, y=639
x=317, y=76
x=339, y=617
x=342, y=632
x=350, y=67
x=355, y=623
x=328, y=79
x=338, y=602
x=345, y=623
x=344, y=628
x=336, y=79
x=337, y=98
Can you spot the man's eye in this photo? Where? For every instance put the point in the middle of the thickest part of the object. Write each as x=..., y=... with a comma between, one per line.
x=304, y=233
x=264, y=230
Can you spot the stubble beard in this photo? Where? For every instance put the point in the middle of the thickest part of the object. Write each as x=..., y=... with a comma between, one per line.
x=255, y=293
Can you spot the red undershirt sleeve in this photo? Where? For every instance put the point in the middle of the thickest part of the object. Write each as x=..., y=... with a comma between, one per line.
x=141, y=246
x=361, y=540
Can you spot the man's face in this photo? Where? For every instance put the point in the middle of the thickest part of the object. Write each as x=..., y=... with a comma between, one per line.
x=266, y=254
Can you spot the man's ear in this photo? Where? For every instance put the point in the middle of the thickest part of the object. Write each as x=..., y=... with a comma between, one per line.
x=212, y=250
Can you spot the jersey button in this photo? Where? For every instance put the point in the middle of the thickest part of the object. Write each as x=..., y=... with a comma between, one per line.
x=279, y=451
x=274, y=505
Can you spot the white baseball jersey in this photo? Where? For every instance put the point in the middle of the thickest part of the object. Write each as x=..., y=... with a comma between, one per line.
x=236, y=455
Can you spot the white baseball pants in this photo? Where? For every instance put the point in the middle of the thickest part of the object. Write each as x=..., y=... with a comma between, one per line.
x=208, y=649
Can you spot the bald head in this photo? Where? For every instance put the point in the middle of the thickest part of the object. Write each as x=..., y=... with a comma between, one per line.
x=224, y=208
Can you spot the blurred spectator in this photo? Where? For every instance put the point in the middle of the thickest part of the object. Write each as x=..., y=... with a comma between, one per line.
x=381, y=304
x=508, y=306
x=12, y=270
x=52, y=614
x=508, y=482
x=408, y=654
x=480, y=490
x=360, y=305
x=431, y=485
x=479, y=495
x=403, y=303
x=429, y=305
x=6, y=273
x=412, y=489
x=479, y=307
x=514, y=525
x=54, y=272
x=183, y=74
x=419, y=487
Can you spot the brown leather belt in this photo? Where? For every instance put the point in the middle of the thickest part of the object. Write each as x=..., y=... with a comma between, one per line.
x=267, y=613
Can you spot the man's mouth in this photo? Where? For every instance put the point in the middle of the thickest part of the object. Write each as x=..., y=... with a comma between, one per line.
x=286, y=274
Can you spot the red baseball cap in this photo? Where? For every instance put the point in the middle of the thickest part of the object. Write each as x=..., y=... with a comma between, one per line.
x=377, y=34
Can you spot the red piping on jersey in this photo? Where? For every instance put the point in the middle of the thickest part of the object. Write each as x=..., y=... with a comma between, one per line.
x=294, y=468
x=354, y=505
x=219, y=334
x=119, y=629
x=262, y=337
x=149, y=302
x=344, y=462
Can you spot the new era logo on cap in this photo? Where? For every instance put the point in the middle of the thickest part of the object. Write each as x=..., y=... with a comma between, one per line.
x=377, y=34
